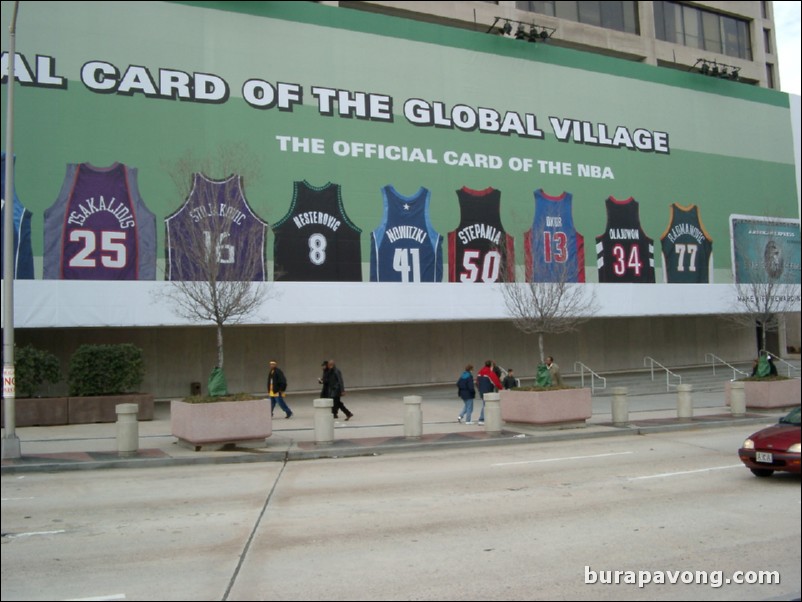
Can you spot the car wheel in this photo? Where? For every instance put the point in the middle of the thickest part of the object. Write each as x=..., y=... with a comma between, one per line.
x=762, y=472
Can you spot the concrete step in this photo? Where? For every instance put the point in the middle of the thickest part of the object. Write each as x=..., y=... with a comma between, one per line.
x=702, y=378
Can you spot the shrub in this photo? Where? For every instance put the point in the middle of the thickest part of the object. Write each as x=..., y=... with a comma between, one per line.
x=543, y=389
x=33, y=367
x=763, y=379
x=215, y=399
x=106, y=369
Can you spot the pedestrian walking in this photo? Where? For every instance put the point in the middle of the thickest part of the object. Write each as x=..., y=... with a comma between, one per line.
x=276, y=387
x=466, y=392
x=335, y=389
x=487, y=382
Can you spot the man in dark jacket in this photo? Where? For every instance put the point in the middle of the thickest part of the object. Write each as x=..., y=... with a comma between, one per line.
x=276, y=386
x=336, y=389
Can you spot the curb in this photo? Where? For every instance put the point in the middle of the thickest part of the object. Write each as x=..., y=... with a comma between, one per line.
x=341, y=449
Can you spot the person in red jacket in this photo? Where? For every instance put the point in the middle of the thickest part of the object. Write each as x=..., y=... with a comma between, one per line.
x=486, y=382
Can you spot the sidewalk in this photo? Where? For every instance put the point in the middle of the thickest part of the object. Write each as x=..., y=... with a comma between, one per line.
x=377, y=428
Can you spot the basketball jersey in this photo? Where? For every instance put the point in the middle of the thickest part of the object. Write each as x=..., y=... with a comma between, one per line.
x=216, y=234
x=479, y=250
x=316, y=241
x=687, y=247
x=405, y=247
x=99, y=227
x=555, y=251
x=624, y=253
x=22, y=249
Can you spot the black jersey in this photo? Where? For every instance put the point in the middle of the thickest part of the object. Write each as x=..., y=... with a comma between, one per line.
x=624, y=253
x=479, y=250
x=687, y=247
x=316, y=241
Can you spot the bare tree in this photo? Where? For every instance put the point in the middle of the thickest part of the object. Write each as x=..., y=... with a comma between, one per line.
x=556, y=306
x=215, y=244
x=766, y=281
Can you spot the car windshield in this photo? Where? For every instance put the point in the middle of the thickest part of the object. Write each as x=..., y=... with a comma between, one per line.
x=792, y=418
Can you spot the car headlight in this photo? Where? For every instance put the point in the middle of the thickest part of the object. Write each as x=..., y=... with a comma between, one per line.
x=749, y=444
x=795, y=448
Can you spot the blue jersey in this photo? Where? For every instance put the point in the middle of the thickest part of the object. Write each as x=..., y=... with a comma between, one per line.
x=23, y=249
x=405, y=247
x=555, y=251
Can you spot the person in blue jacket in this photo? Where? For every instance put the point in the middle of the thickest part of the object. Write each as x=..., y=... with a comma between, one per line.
x=466, y=392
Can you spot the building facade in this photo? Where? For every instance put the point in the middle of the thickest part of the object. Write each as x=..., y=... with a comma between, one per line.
x=675, y=35
x=395, y=172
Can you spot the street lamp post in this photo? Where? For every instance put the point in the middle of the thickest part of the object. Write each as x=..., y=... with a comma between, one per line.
x=11, y=445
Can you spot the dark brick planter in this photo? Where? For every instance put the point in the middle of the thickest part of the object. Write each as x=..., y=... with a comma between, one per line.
x=86, y=410
x=39, y=411
x=51, y=411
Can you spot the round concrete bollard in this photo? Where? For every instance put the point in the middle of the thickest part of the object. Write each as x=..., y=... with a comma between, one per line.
x=127, y=429
x=324, y=420
x=684, y=402
x=737, y=398
x=620, y=406
x=413, y=417
x=492, y=413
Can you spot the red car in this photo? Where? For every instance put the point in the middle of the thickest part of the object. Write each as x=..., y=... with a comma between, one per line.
x=774, y=448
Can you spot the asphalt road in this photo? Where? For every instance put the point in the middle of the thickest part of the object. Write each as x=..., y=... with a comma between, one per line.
x=497, y=523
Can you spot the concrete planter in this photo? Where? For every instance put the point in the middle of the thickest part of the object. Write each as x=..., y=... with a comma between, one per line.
x=218, y=424
x=39, y=411
x=101, y=408
x=769, y=393
x=563, y=407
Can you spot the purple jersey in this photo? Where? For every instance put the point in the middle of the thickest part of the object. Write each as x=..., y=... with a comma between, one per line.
x=216, y=222
x=99, y=227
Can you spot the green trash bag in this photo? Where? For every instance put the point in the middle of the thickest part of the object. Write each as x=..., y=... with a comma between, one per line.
x=543, y=378
x=217, y=383
x=763, y=368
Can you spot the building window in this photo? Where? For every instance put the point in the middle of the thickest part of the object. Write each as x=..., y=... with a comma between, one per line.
x=764, y=10
x=696, y=28
x=767, y=41
x=770, y=83
x=621, y=16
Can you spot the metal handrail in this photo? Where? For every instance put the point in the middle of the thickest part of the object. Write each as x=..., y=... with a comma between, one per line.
x=714, y=358
x=669, y=373
x=781, y=360
x=582, y=368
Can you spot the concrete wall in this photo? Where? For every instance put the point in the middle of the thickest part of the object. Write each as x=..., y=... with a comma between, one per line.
x=397, y=354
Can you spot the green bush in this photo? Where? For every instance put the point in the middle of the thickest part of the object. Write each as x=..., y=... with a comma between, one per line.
x=106, y=369
x=32, y=367
x=215, y=399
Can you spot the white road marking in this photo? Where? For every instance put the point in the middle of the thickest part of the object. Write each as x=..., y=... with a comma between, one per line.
x=14, y=499
x=32, y=533
x=109, y=597
x=561, y=459
x=675, y=474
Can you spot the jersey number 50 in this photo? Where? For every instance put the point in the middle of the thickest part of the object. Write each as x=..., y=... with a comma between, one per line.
x=489, y=270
